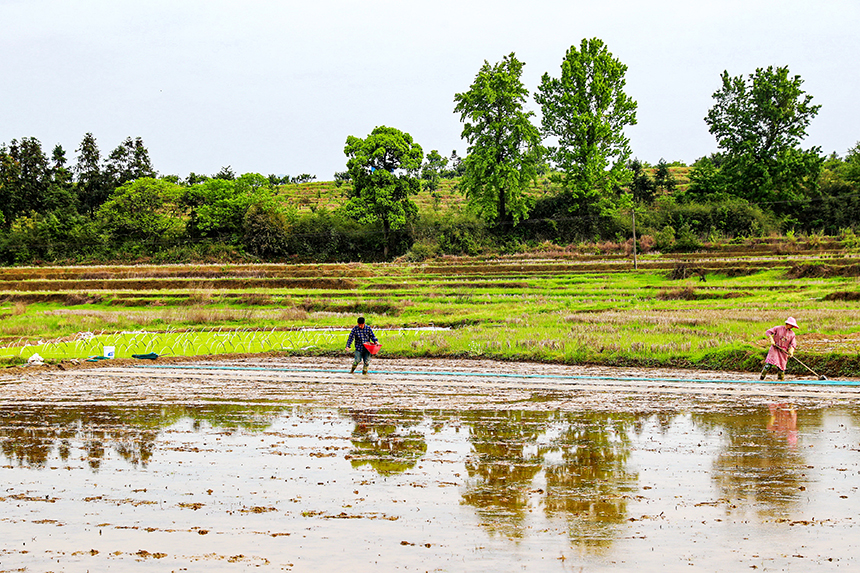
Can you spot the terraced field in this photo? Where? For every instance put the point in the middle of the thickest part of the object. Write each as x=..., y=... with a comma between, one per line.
x=707, y=309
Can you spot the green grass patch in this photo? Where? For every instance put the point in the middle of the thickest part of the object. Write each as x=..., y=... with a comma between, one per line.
x=512, y=309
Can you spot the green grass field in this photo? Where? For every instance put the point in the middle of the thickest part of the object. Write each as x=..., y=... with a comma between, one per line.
x=566, y=309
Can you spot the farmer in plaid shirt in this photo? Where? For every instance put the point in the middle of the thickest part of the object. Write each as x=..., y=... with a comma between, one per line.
x=361, y=333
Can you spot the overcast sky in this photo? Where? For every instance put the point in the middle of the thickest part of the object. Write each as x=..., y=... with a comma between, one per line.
x=277, y=86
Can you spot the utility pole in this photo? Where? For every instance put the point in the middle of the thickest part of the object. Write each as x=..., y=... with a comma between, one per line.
x=635, y=265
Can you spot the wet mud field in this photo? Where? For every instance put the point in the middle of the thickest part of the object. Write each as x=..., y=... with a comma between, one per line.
x=287, y=464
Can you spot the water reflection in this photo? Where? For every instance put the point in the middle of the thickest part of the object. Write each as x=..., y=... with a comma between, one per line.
x=32, y=435
x=574, y=466
x=783, y=422
x=590, y=485
x=759, y=467
x=571, y=470
x=386, y=440
x=505, y=460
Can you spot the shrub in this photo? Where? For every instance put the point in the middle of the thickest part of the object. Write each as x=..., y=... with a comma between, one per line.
x=421, y=251
x=265, y=227
x=687, y=240
x=646, y=243
x=665, y=240
x=452, y=234
x=142, y=212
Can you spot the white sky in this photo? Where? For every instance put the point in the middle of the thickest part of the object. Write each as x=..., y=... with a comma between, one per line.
x=277, y=86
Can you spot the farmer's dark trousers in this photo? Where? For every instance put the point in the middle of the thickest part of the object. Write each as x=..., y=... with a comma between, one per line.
x=362, y=354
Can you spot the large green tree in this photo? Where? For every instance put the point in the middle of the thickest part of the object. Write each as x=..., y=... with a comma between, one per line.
x=585, y=111
x=383, y=168
x=144, y=211
x=505, y=152
x=431, y=171
x=129, y=161
x=92, y=182
x=217, y=207
x=759, y=122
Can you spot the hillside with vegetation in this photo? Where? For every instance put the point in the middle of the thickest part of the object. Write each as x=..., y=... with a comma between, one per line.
x=567, y=182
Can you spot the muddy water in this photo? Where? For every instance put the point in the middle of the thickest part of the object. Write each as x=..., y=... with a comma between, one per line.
x=268, y=467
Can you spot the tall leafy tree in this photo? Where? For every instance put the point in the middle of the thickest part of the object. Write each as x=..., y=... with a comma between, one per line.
x=383, y=168
x=706, y=179
x=505, y=151
x=664, y=179
x=642, y=186
x=759, y=122
x=92, y=182
x=585, y=111
x=61, y=194
x=129, y=161
x=431, y=171
x=25, y=178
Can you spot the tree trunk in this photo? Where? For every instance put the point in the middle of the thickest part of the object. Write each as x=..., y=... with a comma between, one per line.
x=386, y=237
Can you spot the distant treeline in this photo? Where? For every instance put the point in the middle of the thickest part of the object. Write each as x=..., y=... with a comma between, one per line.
x=117, y=208
x=571, y=179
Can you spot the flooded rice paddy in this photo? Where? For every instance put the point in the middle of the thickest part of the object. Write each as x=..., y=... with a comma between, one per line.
x=296, y=465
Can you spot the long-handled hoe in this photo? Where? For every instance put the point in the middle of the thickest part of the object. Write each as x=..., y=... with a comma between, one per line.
x=820, y=376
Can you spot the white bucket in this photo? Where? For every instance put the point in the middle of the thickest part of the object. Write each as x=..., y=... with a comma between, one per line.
x=108, y=352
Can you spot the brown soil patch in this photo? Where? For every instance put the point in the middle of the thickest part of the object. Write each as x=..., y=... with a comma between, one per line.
x=843, y=295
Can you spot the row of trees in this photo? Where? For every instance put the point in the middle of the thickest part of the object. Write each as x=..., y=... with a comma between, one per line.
x=760, y=172
x=32, y=182
x=578, y=154
x=759, y=122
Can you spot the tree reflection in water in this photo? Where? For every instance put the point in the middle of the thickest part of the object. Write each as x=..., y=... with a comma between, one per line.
x=383, y=439
x=505, y=460
x=583, y=457
x=759, y=466
x=590, y=484
x=30, y=434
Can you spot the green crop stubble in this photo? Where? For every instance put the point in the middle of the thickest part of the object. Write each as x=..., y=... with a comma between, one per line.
x=609, y=318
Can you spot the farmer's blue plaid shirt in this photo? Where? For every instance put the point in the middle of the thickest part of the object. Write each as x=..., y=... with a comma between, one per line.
x=361, y=335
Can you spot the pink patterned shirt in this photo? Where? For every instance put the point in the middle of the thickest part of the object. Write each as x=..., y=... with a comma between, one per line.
x=783, y=336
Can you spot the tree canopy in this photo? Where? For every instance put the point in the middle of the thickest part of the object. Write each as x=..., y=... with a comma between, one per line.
x=759, y=122
x=432, y=169
x=143, y=210
x=129, y=161
x=383, y=168
x=505, y=151
x=585, y=110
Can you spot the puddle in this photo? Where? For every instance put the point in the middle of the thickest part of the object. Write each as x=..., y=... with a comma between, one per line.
x=124, y=470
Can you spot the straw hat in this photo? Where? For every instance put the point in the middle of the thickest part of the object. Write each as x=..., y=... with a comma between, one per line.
x=791, y=322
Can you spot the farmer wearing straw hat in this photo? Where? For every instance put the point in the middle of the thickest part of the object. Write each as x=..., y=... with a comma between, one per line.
x=362, y=334
x=782, y=345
